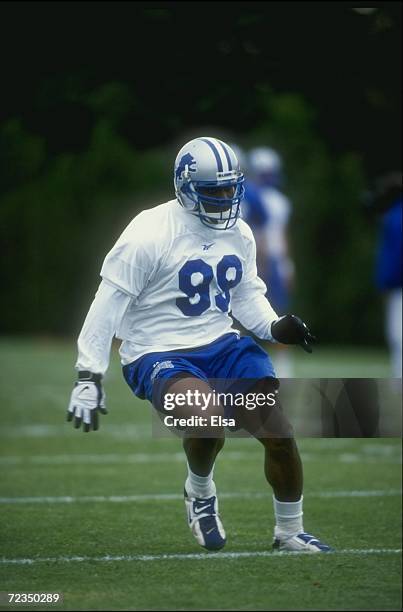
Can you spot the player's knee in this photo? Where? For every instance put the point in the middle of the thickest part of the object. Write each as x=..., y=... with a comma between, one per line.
x=189, y=395
x=192, y=408
x=267, y=420
x=280, y=446
x=207, y=445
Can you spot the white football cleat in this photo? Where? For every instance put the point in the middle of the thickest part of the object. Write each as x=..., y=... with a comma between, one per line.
x=300, y=542
x=204, y=521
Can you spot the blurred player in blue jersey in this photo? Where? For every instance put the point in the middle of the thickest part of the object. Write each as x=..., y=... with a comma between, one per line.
x=254, y=212
x=168, y=286
x=267, y=211
x=387, y=203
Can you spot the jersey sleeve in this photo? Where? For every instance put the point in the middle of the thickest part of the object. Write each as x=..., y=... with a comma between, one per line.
x=249, y=304
x=130, y=264
x=127, y=269
x=100, y=325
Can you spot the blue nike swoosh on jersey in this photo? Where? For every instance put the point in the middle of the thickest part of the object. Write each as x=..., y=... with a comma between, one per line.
x=207, y=246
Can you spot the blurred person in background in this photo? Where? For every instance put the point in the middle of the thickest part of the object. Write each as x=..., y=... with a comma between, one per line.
x=386, y=202
x=253, y=211
x=267, y=210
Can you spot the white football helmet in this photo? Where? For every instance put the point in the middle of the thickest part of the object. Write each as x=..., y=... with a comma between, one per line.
x=241, y=155
x=208, y=182
x=266, y=164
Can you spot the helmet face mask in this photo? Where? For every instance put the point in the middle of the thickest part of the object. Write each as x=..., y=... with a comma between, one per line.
x=209, y=183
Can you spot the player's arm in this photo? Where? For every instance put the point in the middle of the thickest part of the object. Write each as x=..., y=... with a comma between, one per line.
x=254, y=312
x=126, y=270
x=94, y=345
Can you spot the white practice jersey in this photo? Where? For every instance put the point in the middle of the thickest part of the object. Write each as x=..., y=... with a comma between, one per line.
x=171, y=283
x=278, y=209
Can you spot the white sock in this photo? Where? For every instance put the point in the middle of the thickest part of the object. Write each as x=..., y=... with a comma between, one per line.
x=288, y=517
x=200, y=486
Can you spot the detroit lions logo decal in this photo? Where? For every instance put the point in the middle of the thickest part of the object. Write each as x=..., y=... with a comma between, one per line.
x=186, y=160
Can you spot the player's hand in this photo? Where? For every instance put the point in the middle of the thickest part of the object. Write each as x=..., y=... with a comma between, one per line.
x=87, y=401
x=292, y=330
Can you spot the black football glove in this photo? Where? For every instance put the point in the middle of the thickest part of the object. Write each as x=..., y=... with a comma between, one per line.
x=87, y=400
x=292, y=330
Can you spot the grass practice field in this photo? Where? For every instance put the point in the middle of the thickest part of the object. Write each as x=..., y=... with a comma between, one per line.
x=100, y=517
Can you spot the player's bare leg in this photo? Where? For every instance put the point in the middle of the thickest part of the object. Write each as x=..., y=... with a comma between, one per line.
x=283, y=471
x=283, y=468
x=201, y=453
x=202, y=445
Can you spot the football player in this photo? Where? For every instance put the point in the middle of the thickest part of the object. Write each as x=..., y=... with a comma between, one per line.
x=267, y=212
x=168, y=286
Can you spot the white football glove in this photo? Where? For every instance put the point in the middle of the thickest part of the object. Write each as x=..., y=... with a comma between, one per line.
x=87, y=400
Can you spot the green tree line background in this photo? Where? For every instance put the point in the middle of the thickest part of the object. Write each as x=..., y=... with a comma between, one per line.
x=60, y=223
x=64, y=202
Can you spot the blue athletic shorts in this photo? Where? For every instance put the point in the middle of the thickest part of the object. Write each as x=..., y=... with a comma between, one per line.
x=228, y=357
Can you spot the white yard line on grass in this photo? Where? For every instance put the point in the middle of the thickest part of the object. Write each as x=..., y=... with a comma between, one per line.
x=106, y=458
x=131, y=431
x=66, y=499
x=198, y=556
x=393, y=455
x=124, y=431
